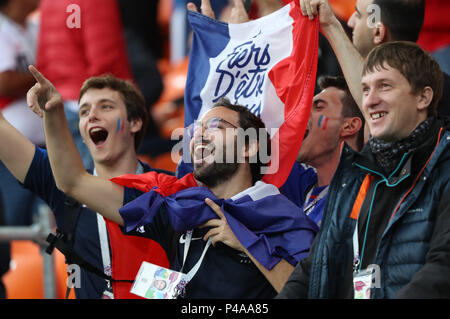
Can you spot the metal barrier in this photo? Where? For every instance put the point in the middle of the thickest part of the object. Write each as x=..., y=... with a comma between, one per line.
x=37, y=233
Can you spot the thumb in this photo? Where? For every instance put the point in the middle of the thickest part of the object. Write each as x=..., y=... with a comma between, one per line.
x=192, y=7
x=53, y=103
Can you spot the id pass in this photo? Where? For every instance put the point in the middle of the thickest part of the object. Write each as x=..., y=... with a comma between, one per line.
x=362, y=282
x=155, y=282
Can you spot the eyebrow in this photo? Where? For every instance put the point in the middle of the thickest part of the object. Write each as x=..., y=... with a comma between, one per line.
x=317, y=101
x=378, y=81
x=225, y=121
x=357, y=10
x=99, y=102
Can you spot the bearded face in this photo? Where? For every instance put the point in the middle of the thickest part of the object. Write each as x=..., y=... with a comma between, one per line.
x=214, y=147
x=212, y=166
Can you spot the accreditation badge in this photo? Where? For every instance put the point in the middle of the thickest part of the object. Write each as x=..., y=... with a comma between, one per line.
x=155, y=282
x=362, y=282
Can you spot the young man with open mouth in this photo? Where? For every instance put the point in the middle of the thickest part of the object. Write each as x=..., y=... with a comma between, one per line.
x=112, y=121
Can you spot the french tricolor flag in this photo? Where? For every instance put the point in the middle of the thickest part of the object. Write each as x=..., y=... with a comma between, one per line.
x=268, y=65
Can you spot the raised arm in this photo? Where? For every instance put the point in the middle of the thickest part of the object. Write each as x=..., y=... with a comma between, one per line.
x=349, y=58
x=16, y=151
x=100, y=195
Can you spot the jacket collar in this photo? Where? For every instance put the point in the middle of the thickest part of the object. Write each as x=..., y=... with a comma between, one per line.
x=410, y=164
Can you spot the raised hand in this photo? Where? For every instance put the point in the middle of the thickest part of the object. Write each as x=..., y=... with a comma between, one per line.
x=311, y=8
x=205, y=8
x=220, y=231
x=238, y=14
x=43, y=96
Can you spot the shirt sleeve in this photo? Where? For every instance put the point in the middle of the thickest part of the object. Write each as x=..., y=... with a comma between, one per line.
x=158, y=230
x=298, y=183
x=40, y=181
x=297, y=285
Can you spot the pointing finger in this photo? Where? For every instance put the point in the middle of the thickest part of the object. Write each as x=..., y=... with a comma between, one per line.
x=37, y=75
x=216, y=208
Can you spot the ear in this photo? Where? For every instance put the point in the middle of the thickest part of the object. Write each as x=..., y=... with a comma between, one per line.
x=350, y=127
x=424, y=98
x=251, y=149
x=135, y=125
x=380, y=33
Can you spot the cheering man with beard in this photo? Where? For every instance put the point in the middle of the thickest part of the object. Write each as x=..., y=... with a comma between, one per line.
x=257, y=235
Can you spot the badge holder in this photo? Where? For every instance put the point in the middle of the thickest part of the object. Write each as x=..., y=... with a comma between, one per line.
x=363, y=279
x=362, y=283
x=155, y=282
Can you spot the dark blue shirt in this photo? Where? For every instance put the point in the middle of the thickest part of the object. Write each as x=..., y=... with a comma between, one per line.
x=40, y=180
x=224, y=273
x=301, y=180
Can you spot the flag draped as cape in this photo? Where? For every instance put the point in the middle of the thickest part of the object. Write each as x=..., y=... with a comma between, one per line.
x=266, y=223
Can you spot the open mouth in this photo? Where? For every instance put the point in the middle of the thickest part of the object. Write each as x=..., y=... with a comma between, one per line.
x=98, y=135
x=203, y=152
x=378, y=115
x=306, y=133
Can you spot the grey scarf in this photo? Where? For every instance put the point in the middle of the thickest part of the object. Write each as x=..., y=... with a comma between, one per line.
x=389, y=154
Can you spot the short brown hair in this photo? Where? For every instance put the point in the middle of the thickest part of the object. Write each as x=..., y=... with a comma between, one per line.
x=349, y=106
x=132, y=97
x=418, y=67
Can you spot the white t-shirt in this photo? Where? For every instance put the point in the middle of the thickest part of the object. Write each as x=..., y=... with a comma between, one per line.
x=18, y=50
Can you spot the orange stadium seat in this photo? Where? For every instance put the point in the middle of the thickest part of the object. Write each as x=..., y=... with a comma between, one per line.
x=25, y=279
x=167, y=115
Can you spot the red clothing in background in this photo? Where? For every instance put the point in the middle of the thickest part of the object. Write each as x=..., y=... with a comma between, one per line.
x=435, y=32
x=68, y=55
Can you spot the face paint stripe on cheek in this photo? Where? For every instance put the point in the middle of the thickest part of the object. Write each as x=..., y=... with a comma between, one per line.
x=322, y=122
x=118, y=127
x=325, y=121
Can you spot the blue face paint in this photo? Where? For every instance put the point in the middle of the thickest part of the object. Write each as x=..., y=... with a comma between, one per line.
x=319, y=123
x=119, y=125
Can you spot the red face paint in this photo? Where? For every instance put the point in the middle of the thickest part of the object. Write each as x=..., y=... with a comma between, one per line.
x=323, y=120
x=120, y=125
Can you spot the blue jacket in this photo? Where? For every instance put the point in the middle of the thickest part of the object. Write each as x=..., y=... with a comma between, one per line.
x=404, y=244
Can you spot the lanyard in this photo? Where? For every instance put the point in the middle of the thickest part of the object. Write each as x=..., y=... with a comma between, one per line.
x=103, y=233
x=187, y=244
x=356, y=257
x=307, y=208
